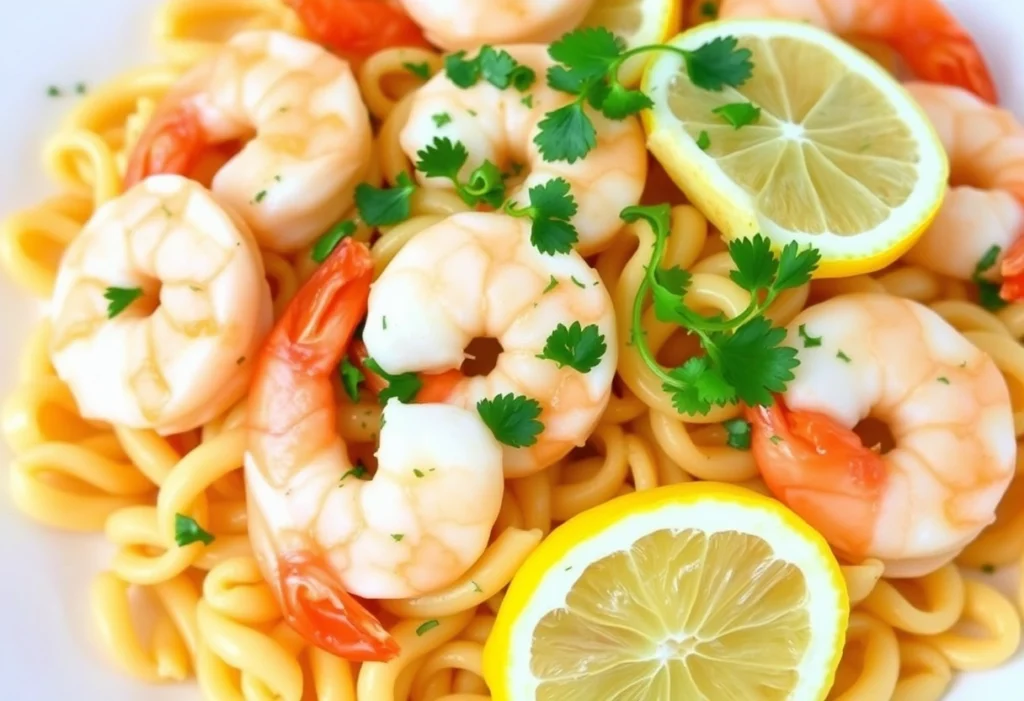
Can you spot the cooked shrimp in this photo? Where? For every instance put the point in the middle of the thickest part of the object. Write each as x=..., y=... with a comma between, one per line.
x=946, y=405
x=319, y=529
x=310, y=134
x=358, y=27
x=986, y=207
x=923, y=33
x=477, y=275
x=497, y=125
x=467, y=24
x=181, y=352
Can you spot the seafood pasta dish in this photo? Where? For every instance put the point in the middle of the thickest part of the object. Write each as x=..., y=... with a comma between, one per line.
x=568, y=350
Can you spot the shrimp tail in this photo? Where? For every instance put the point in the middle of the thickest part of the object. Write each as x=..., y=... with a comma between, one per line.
x=435, y=388
x=1012, y=271
x=937, y=49
x=358, y=27
x=172, y=143
x=327, y=615
x=819, y=469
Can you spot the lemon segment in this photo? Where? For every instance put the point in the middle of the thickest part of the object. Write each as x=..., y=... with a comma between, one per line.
x=841, y=158
x=638, y=22
x=699, y=590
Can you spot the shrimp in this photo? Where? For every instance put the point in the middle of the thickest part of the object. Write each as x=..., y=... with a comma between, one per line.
x=985, y=209
x=198, y=304
x=310, y=134
x=476, y=275
x=497, y=125
x=358, y=27
x=320, y=531
x=923, y=33
x=946, y=405
x=467, y=24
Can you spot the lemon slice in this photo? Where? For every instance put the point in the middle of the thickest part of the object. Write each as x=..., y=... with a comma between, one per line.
x=639, y=22
x=700, y=590
x=841, y=157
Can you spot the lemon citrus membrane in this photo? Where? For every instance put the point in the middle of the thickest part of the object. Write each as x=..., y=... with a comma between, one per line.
x=840, y=157
x=680, y=590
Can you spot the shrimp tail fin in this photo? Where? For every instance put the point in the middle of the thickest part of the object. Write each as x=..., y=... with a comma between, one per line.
x=320, y=321
x=172, y=144
x=318, y=608
x=1012, y=271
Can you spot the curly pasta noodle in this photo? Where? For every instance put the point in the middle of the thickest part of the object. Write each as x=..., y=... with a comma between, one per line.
x=211, y=614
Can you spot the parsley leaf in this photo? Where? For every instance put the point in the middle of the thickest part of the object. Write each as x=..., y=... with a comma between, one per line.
x=551, y=206
x=384, y=206
x=809, y=340
x=120, y=298
x=718, y=63
x=737, y=433
x=495, y=66
x=512, y=419
x=351, y=378
x=326, y=244
x=988, y=291
x=404, y=386
x=738, y=114
x=579, y=347
x=443, y=158
x=703, y=140
x=566, y=134
x=187, y=531
x=441, y=118
x=358, y=471
x=427, y=626
x=620, y=102
x=420, y=70
x=744, y=359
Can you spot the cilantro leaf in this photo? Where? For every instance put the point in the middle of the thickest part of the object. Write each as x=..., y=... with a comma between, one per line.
x=464, y=73
x=588, y=52
x=501, y=70
x=988, y=291
x=620, y=102
x=551, y=206
x=485, y=184
x=703, y=140
x=404, y=386
x=442, y=158
x=420, y=70
x=187, y=531
x=738, y=114
x=682, y=386
x=383, y=206
x=120, y=298
x=737, y=433
x=326, y=244
x=566, y=134
x=351, y=378
x=512, y=419
x=718, y=63
x=674, y=279
x=809, y=340
x=755, y=264
x=579, y=347
x=753, y=361
x=795, y=266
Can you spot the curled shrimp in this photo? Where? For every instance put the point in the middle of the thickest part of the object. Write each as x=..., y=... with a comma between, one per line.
x=925, y=35
x=320, y=531
x=914, y=504
x=985, y=208
x=310, y=134
x=358, y=28
x=467, y=24
x=499, y=126
x=476, y=275
x=158, y=308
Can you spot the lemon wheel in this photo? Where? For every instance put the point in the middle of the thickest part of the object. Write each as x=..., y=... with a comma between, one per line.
x=699, y=590
x=839, y=157
x=639, y=22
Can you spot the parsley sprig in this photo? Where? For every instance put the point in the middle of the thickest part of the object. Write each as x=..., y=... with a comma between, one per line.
x=376, y=206
x=512, y=419
x=443, y=158
x=404, y=386
x=551, y=207
x=988, y=291
x=744, y=359
x=188, y=531
x=589, y=61
x=495, y=66
x=579, y=347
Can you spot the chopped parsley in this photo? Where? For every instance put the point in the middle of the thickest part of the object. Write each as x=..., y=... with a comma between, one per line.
x=576, y=346
x=384, y=206
x=120, y=298
x=427, y=626
x=420, y=70
x=187, y=531
x=703, y=140
x=809, y=340
x=351, y=378
x=326, y=244
x=988, y=292
x=512, y=419
x=404, y=386
x=738, y=114
x=441, y=118
x=737, y=433
x=843, y=356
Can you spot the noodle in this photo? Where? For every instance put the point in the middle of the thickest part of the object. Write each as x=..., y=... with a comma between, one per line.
x=216, y=619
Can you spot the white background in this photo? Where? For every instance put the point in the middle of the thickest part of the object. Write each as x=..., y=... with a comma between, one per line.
x=47, y=650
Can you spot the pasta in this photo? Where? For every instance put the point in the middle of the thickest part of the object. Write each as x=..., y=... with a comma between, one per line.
x=216, y=618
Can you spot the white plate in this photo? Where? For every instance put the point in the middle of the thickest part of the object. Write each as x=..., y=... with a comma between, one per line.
x=47, y=646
